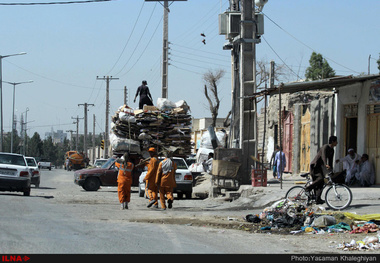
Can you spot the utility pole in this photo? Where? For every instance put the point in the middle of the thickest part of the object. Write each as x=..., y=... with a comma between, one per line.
x=77, y=123
x=243, y=27
x=165, y=45
x=85, y=127
x=125, y=95
x=107, y=79
x=71, y=138
x=93, y=141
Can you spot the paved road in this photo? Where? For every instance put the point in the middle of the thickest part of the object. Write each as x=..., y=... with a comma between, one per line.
x=60, y=217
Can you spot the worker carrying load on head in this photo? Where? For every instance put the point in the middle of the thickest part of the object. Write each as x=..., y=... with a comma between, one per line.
x=124, y=180
x=165, y=180
x=145, y=97
x=150, y=179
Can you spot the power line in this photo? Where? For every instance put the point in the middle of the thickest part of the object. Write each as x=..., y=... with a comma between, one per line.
x=138, y=42
x=130, y=35
x=312, y=49
x=59, y=3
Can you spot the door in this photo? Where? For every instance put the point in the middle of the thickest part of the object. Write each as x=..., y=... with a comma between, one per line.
x=373, y=142
x=305, y=142
x=287, y=141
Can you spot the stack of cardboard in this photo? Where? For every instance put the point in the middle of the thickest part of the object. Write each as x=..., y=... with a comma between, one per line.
x=154, y=127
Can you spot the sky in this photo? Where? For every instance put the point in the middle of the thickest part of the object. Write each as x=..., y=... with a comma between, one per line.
x=69, y=45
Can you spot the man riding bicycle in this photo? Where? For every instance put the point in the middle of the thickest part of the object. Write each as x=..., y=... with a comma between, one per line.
x=321, y=165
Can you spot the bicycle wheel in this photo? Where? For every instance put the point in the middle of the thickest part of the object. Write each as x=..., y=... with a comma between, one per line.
x=297, y=195
x=338, y=196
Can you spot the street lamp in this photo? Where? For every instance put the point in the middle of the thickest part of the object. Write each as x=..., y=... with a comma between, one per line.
x=13, y=112
x=1, y=97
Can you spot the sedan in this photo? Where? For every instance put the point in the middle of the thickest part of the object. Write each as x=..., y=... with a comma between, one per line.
x=92, y=179
x=15, y=174
x=183, y=179
x=35, y=171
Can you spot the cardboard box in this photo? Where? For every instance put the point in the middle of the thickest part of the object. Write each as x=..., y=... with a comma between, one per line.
x=149, y=108
x=225, y=168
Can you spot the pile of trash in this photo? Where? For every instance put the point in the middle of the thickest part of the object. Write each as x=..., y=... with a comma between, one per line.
x=168, y=124
x=295, y=219
x=368, y=243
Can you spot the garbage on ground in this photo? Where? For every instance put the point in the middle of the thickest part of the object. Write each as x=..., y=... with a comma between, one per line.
x=168, y=124
x=294, y=218
x=368, y=243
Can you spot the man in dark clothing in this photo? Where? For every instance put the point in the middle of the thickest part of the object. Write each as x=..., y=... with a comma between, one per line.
x=320, y=166
x=145, y=97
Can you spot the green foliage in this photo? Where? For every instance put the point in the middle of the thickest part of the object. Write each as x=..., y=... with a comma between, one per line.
x=47, y=149
x=319, y=68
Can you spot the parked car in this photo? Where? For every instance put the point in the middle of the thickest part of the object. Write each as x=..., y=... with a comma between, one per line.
x=31, y=162
x=183, y=178
x=92, y=179
x=43, y=163
x=15, y=175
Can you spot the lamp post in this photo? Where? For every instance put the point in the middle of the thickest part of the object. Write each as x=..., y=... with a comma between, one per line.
x=13, y=111
x=1, y=97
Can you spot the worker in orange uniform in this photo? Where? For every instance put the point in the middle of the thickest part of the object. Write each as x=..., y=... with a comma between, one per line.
x=150, y=178
x=124, y=180
x=165, y=179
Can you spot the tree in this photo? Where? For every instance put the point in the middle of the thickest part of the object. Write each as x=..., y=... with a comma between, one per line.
x=211, y=92
x=319, y=68
x=35, y=146
x=378, y=63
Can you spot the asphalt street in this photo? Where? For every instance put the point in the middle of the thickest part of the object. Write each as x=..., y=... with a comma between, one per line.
x=61, y=218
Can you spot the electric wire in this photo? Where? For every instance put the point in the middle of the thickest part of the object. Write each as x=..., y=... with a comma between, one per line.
x=57, y=3
x=130, y=35
x=138, y=42
x=312, y=49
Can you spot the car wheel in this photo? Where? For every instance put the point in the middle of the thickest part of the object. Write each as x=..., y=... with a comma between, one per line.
x=91, y=184
x=180, y=195
x=27, y=192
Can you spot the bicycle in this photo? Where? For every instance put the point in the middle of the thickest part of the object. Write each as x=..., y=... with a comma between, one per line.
x=337, y=196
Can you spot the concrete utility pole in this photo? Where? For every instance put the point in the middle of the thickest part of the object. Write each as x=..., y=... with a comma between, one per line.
x=125, y=95
x=165, y=46
x=107, y=79
x=85, y=126
x=93, y=140
x=77, y=123
x=71, y=137
x=242, y=27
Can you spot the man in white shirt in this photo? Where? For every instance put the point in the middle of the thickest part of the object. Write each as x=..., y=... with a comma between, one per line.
x=366, y=174
x=350, y=164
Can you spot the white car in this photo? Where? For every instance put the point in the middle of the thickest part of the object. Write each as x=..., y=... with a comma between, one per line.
x=35, y=171
x=15, y=175
x=183, y=178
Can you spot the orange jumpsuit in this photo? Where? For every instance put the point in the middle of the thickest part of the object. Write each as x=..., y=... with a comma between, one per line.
x=150, y=180
x=124, y=181
x=166, y=183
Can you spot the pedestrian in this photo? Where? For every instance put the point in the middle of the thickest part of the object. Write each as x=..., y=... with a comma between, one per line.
x=365, y=174
x=280, y=162
x=207, y=165
x=124, y=180
x=350, y=164
x=145, y=97
x=272, y=162
x=150, y=178
x=320, y=166
x=165, y=180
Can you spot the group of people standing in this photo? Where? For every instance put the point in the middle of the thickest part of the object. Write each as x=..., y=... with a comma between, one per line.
x=160, y=178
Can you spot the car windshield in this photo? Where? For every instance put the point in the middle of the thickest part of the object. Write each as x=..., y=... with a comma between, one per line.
x=181, y=164
x=109, y=162
x=12, y=159
x=31, y=162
